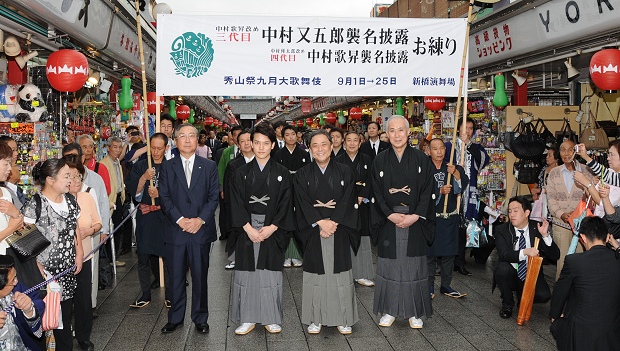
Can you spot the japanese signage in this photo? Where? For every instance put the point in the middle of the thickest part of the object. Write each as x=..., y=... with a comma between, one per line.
x=542, y=27
x=308, y=56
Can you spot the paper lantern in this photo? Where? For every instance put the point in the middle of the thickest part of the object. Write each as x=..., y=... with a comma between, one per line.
x=309, y=121
x=125, y=102
x=306, y=105
x=183, y=112
x=330, y=117
x=300, y=122
x=209, y=120
x=67, y=70
x=355, y=113
x=604, y=69
x=151, y=102
x=434, y=103
x=500, y=99
x=399, y=107
x=341, y=118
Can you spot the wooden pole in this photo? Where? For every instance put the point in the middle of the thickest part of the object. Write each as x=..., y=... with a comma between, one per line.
x=459, y=101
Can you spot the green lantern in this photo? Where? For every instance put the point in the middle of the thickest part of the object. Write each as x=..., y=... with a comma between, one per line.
x=500, y=99
x=191, y=116
x=173, y=109
x=322, y=119
x=341, y=118
x=399, y=107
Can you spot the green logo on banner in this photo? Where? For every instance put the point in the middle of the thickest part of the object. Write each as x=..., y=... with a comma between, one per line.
x=192, y=54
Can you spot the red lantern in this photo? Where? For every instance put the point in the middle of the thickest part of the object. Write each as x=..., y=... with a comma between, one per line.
x=106, y=132
x=183, y=112
x=209, y=120
x=604, y=69
x=434, y=103
x=151, y=102
x=330, y=117
x=300, y=122
x=309, y=121
x=355, y=113
x=67, y=70
x=306, y=105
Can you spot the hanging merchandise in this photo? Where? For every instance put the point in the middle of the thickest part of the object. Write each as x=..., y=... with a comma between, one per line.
x=434, y=103
x=105, y=132
x=500, y=99
x=31, y=106
x=8, y=102
x=67, y=70
x=604, y=69
x=125, y=100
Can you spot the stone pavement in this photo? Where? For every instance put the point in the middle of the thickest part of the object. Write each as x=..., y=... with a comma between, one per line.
x=469, y=323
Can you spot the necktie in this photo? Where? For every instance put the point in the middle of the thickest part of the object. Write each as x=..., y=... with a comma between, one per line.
x=373, y=148
x=522, y=267
x=188, y=173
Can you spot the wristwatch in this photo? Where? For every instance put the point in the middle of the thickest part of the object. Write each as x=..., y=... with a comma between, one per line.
x=589, y=185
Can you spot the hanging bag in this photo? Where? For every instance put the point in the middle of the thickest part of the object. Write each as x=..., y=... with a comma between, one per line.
x=527, y=171
x=51, y=318
x=528, y=145
x=566, y=133
x=593, y=136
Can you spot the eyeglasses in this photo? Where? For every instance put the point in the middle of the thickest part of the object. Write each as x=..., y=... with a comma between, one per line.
x=187, y=136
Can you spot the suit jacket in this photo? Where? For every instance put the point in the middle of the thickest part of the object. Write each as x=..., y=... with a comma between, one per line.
x=216, y=144
x=365, y=148
x=115, y=187
x=199, y=200
x=506, y=238
x=588, y=293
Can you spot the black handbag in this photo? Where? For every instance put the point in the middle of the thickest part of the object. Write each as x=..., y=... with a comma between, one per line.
x=544, y=133
x=527, y=171
x=28, y=242
x=566, y=133
x=528, y=145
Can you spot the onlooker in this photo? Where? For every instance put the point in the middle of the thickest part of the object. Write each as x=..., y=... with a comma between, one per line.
x=229, y=154
x=563, y=197
x=14, y=178
x=277, y=126
x=22, y=327
x=203, y=150
x=89, y=223
x=585, y=306
x=213, y=143
x=515, y=242
x=374, y=145
x=475, y=159
x=88, y=151
x=57, y=220
x=552, y=160
x=337, y=138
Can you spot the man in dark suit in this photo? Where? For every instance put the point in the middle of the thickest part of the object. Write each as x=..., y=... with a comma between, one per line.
x=212, y=142
x=280, y=143
x=189, y=189
x=515, y=242
x=585, y=306
x=373, y=146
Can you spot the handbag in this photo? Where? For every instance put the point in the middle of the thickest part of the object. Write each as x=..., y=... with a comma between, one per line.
x=527, y=171
x=594, y=138
x=528, y=145
x=28, y=241
x=566, y=133
x=544, y=133
x=51, y=318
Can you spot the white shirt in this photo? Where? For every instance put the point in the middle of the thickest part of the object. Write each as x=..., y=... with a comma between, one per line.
x=376, y=145
x=526, y=231
x=191, y=166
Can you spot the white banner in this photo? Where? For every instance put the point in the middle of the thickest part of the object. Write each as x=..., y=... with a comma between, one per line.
x=308, y=56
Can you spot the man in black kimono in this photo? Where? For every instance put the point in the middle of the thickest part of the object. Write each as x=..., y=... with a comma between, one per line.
x=245, y=155
x=293, y=158
x=337, y=139
x=327, y=222
x=403, y=223
x=360, y=164
x=446, y=243
x=262, y=209
x=151, y=222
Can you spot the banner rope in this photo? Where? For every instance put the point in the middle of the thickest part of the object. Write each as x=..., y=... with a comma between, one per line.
x=72, y=268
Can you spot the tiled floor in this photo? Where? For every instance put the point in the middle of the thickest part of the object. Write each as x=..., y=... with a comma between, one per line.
x=469, y=323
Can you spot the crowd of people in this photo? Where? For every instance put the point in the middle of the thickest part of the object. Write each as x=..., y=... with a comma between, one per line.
x=323, y=200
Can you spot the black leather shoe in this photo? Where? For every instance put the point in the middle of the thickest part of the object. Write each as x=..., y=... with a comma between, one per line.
x=202, y=328
x=506, y=312
x=170, y=327
x=86, y=345
x=462, y=270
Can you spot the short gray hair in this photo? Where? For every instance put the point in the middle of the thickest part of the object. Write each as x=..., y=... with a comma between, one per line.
x=114, y=139
x=180, y=126
x=320, y=132
x=398, y=117
x=85, y=136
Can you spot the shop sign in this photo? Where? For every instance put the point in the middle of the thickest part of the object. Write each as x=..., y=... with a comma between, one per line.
x=17, y=128
x=308, y=56
x=552, y=23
